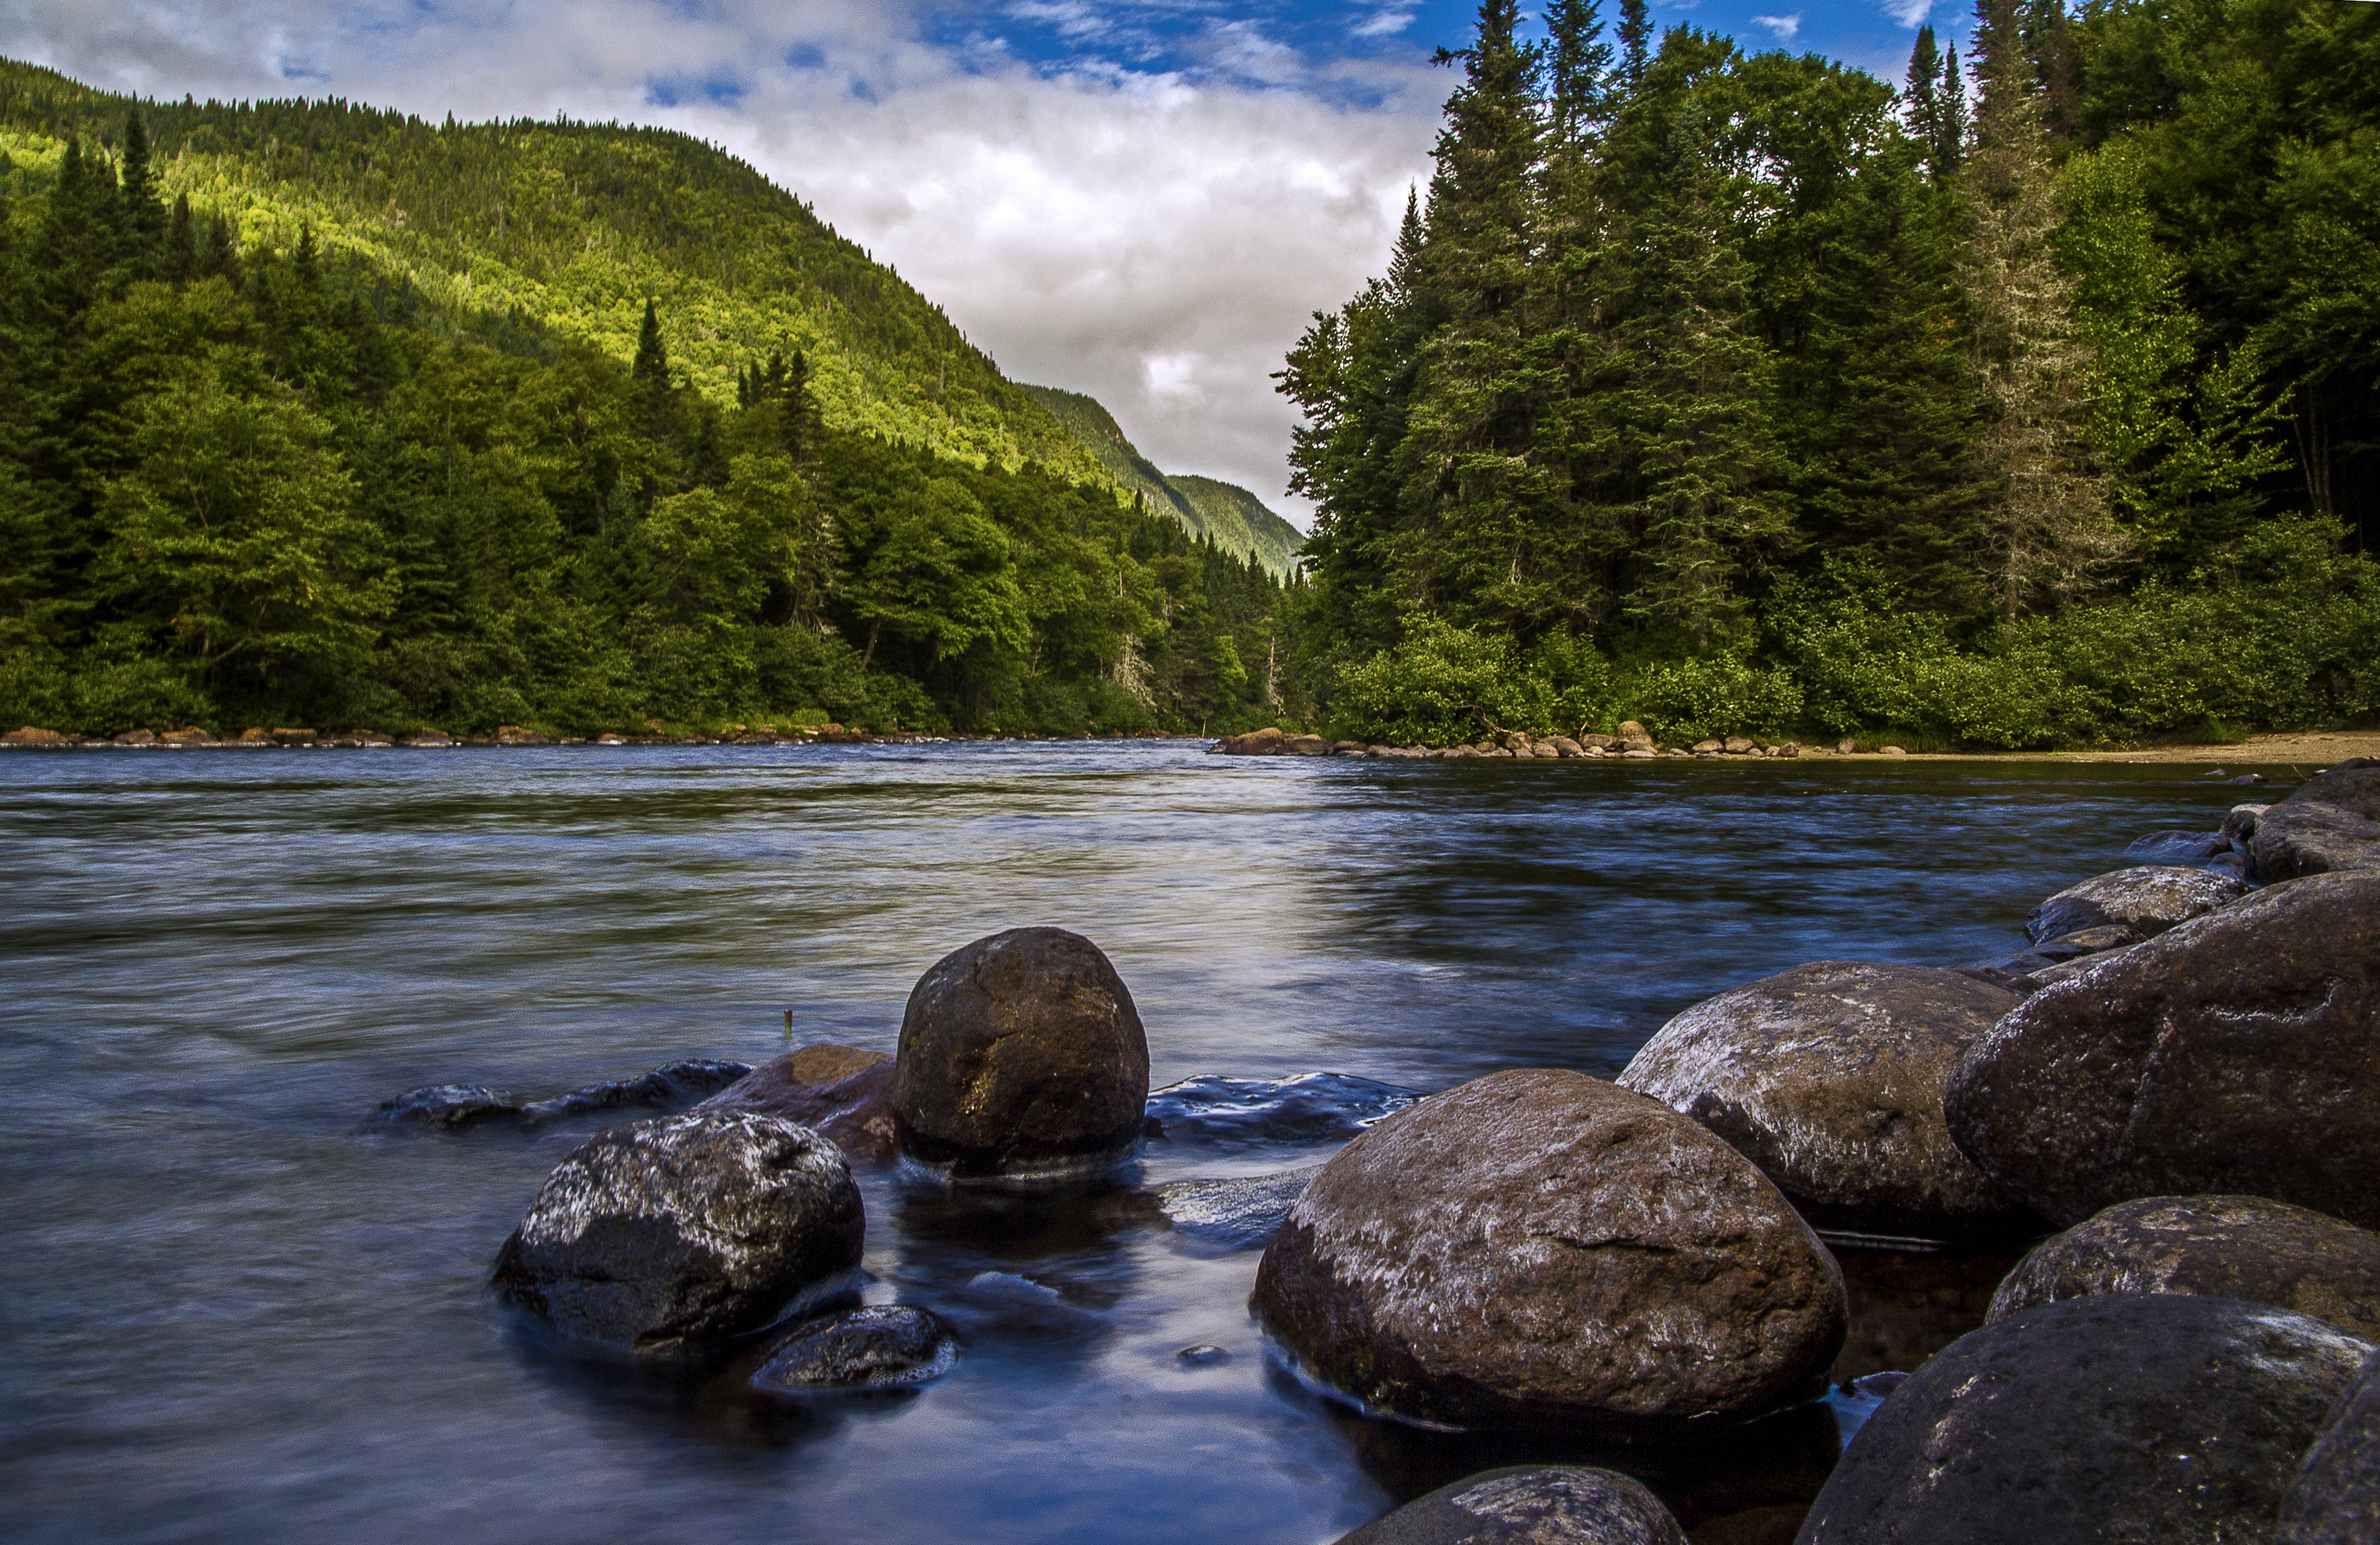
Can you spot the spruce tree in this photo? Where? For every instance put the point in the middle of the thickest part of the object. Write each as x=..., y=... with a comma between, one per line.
x=180, y=262
x=1474, y=497
x=1635, y=42
x=2048, y=530
x=1949, y=151
x=143, y=217
x=650, y=368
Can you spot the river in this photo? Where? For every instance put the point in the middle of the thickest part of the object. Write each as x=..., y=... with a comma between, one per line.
x=236, y=1310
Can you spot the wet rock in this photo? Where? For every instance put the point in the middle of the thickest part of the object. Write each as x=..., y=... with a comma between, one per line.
x=671, y=1084
x=841, y=1093
x=1551, y=1505
x=1211, y=1111
x=1830, y=1077
x=2179, y=846
x=881, y=1346
x=2218, y=1246
x=2330, y=823
x=1539, y=1247
x=1021, y=1055
x=2143, y=902
x=447, y=1106
x=2149, y=1419
x=2335, y=1499
x=33, y=735
x=1242, y=1213
x=1632, y=736
x=2239, y=1052
x=666, y=1235
x=136, y=736
x=1255, y=743
x=1204, y=1354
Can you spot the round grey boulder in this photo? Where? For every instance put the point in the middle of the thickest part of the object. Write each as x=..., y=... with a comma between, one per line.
x=2143, y=902
x=1550, y=1505
x=880, y=1346
x=2219, y=1247
x=1830, y=1077
x=2238, y=1054
x=2149, y=1419
x=1021, y=1055
x=2336, y=1499
x=664, y=1235
x=1542, y=1249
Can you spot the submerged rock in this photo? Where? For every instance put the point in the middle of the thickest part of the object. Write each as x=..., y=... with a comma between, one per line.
x=1236, y=1215
x=1550, y=1505
x=2335, y=1499
x=2142, y=902
x=666, y=1235
x=2330, y=823
x=2238, y=1053
x=881, y=1346
x=2149, y=1419
x=447, y=1106
x=2221, y=1247
x=1830, y=1077
x=1539, y=1247
x=1230, y=1113
x=1021, y=1055
x=840, y=1093
x=2179, y=846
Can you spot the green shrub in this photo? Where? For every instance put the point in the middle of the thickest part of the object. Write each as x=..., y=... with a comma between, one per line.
x=1445, y=684
x=1689, y=700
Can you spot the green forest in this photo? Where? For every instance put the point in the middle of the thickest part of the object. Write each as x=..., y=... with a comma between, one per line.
x=2037, y=403
x=406, y=467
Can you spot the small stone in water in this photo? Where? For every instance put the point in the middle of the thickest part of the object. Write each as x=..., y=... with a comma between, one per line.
x=1202, y=1355
x=881, y=1346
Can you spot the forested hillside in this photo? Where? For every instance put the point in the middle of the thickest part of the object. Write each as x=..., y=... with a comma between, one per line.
x=563, y=230
x=1236, y=519
x=255, y=471
x=2037, y=403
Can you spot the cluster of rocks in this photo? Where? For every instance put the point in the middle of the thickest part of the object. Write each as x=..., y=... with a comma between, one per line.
x=1630, y=740
x=2193, y=1098
x=1021, y=1058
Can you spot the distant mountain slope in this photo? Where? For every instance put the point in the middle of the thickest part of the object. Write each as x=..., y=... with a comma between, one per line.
x=564, y=229
x=1235, y=518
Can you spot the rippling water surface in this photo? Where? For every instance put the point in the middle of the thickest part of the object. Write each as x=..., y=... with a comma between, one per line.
x=235, y=1312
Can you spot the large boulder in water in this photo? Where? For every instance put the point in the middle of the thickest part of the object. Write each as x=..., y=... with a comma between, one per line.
x=2239, y=1054
x=1549, y=1504
x=1539, y=1247
x=1021, y=1055
x=2336, y=1499
x=1830, y=1077
x=2218, y=1246
x=2143, y=902
x=2330, y=823
x=841, y=1093
x=879, y=1346
x=662, y=1236
x=2151, y=1420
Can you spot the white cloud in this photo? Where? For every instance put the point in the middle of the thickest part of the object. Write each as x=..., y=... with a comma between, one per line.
x=1909, y=13
x=1783, y=25
x=1386, y=22
x=1155, y=239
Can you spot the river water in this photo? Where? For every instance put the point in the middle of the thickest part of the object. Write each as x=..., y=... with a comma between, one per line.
x=235, y=1310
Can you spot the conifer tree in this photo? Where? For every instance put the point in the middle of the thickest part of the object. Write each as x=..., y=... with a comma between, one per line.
x=1949, y=151
x=1635, y=42
x=180, y=262
x=1472, y=497
x=651, y=367
x=2047, y=529
x=143, y=217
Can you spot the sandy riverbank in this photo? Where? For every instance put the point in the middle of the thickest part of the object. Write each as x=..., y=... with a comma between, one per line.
x=2308, y=751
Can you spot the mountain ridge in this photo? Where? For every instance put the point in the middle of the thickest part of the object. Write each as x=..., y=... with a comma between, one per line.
x=1235, y=519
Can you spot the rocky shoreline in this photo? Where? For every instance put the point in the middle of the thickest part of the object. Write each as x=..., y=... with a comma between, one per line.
x=2173, y=1097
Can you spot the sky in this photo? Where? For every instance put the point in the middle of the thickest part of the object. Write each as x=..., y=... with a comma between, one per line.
x=1143, y=200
